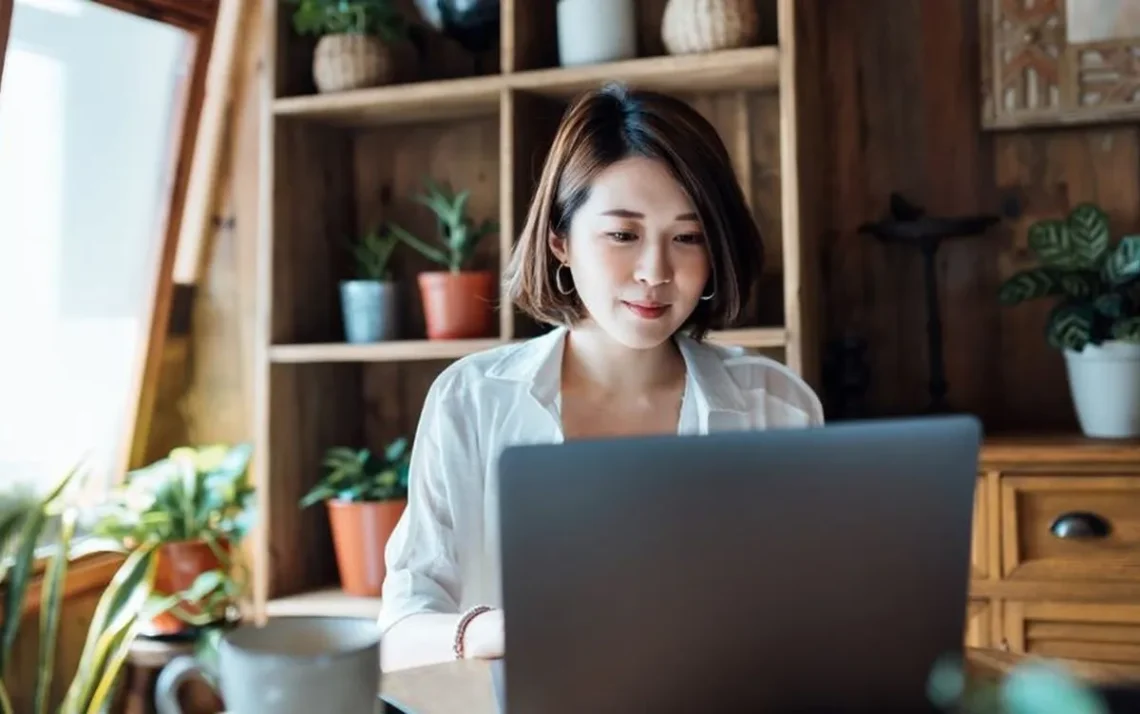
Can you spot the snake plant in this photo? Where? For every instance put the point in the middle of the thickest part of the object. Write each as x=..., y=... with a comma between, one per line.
x=128, y=603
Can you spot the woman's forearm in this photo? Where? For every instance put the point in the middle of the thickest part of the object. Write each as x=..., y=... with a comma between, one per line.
x=418, y=640
x=429, y=638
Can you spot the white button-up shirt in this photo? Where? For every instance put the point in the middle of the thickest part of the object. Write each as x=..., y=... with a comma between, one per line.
x=443, y=555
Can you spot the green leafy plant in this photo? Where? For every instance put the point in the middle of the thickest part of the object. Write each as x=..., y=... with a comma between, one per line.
x=1097, y=286
x=363, y=17
x=195, y=494
x=458, y=234
x=362, y=475
x=128, y=603
x=373, y=255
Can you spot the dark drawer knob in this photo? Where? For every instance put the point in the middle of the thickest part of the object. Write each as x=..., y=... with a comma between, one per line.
x=1079, y=526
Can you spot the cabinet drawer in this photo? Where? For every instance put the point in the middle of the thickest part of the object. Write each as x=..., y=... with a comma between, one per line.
x=1095, y=632
x=1075, y=528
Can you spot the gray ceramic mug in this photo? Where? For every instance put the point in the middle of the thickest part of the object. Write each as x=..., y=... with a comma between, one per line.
x=291, y=665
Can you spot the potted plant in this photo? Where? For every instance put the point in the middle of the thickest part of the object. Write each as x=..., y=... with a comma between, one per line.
x=370, y=303
x=126, y=605
x=355, y=37
x=195, y=507
x=1096, y=321
x=457, y=303
x=365, y=494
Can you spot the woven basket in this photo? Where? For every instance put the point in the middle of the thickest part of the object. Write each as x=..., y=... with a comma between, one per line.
x=690, y=26
x=350, y=61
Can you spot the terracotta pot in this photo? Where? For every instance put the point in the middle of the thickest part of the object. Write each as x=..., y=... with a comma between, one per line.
x=360, y=531
x=458, y=305
x=351, y=61
x=179, y=565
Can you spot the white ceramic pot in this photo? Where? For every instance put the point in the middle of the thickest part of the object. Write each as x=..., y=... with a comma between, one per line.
x=593, y=31
x=1105, y=384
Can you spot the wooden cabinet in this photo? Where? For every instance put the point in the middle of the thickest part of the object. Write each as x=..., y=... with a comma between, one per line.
x=1056, y=550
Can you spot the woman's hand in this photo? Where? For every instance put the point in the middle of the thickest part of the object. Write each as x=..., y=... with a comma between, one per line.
x=484, y=637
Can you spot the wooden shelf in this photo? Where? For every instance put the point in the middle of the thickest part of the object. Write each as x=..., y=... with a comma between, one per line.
x=398, y=103
x=336, y=163
x=331, y=602
x=424, y=350
x=751, y=337
x=739, y=69
x=726, y=70
x=394, y=351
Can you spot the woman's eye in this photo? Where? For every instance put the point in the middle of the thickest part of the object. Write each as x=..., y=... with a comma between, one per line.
x=691, y=238
x=622, y=236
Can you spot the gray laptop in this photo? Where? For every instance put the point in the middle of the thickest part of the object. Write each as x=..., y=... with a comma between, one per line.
x=806, y=570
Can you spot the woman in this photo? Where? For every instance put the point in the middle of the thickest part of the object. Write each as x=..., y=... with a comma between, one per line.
x=638, y=241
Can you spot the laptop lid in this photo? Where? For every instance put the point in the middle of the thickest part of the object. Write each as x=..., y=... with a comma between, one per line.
x=790, y=570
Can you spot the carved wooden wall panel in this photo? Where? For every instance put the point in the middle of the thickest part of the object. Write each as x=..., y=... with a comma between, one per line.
x=1054, y=62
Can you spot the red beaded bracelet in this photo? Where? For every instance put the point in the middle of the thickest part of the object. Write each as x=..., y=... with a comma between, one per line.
x=461, y=628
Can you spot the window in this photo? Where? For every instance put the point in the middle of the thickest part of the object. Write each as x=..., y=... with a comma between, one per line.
x=92, y=105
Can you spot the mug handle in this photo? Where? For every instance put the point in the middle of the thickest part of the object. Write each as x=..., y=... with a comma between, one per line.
x=176, y=673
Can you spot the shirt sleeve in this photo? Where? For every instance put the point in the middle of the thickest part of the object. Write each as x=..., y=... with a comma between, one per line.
x=423, y=573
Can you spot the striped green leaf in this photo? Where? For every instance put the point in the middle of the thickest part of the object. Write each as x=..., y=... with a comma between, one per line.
x=1052, y=242
x=1070, y=326
x=1123, y=264
x=5, y=700
x=1111, y=305
x=1081, y=283
x=51, y=606
x=1030, y=285
x=1088, y=235
x=1127, y=329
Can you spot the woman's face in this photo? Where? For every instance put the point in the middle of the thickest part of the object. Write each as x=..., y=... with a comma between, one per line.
x=636, y=253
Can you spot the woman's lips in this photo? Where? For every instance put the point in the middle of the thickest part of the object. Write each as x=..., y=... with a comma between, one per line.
x=646, y=310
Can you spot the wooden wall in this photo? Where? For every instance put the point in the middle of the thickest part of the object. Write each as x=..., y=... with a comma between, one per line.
x=902, y=86
x=902, y=80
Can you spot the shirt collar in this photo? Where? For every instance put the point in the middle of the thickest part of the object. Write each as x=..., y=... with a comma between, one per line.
x=538, y=363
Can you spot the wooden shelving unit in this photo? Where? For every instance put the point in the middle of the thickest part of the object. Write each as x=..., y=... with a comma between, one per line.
x=335, y=164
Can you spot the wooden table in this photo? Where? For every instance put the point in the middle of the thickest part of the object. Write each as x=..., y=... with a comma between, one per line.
x=465, y=687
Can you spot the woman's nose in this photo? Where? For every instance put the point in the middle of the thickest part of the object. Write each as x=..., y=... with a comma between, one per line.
x=653, y=267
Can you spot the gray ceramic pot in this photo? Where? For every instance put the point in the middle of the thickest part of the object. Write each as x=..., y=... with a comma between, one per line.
x=370, y=309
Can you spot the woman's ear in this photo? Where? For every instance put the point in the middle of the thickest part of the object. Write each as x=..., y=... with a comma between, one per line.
x=559, y=247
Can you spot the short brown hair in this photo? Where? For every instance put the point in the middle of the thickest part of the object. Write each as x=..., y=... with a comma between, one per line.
x=601, y=128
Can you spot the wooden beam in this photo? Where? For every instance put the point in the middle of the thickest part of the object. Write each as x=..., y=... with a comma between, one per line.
x=5, y=28
x=157, y=313
x=188, y=14
x=231, y=32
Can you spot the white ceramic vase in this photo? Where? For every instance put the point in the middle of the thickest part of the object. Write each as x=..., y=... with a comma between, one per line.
x=594, y=31
x=1105, y=385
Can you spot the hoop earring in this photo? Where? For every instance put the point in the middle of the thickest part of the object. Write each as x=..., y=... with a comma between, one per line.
x=710, y=296
x=558, y=280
